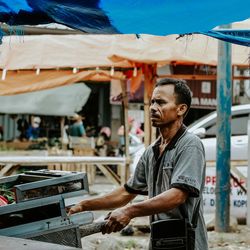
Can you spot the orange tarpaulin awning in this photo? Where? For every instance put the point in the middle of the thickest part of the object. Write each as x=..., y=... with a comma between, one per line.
x=17, y=82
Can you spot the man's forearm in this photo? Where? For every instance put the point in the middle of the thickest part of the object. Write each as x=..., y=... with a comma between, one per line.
x=158, y=204
x=115, y=199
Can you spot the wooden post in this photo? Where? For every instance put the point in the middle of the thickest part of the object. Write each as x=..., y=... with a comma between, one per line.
x=147, y=125
x=125, y=173
x=149, y=82
x=62, y=123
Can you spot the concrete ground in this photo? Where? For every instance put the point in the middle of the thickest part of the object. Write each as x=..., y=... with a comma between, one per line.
x=237, y=240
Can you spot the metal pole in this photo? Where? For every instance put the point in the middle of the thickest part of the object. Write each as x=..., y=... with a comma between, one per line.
x=248, y=175
x=224, y=103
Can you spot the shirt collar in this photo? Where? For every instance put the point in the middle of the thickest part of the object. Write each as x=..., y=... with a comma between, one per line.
x=174, y=140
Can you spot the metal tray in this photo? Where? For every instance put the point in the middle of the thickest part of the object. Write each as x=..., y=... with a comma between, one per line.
x=45, y=183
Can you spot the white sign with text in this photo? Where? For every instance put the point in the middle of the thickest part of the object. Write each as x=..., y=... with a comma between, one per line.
x=238, y=198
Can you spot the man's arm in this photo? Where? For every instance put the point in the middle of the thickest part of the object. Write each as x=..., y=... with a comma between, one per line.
x=117, y=198
x=163, y=202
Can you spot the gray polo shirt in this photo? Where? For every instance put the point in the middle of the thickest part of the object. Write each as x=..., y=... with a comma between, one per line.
x=182, y=165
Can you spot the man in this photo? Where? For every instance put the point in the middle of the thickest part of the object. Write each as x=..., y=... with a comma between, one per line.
x=33, y=130
x=77, y=129
x=171, y=170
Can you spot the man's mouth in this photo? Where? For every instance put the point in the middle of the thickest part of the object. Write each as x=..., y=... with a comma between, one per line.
x=154, y=116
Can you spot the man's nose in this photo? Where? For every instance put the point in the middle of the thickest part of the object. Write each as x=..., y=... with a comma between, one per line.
x=153, y=106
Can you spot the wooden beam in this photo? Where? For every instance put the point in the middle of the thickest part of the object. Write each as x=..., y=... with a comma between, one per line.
x=12, y=163
x=125, y=171
x=234, y=163
x=6, y=169
x=147, y=131
x=201, y=77
x=110, y=174
x=190, y=77
x=149, y=82
x=41, y=160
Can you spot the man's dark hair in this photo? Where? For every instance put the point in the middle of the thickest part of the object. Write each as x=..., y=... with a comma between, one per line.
x=181, y=90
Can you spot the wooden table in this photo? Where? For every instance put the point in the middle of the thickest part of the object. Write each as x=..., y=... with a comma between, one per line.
x=9, y=162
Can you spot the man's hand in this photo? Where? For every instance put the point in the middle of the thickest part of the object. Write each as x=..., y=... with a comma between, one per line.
x=75, y=209
x=116, y=220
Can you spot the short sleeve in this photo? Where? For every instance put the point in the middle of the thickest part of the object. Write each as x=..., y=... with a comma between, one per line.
x=137, y=183
x=188, y=173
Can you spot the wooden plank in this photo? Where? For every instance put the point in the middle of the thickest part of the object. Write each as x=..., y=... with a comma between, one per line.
x=125, y=171
x=238, y=173
x=41, y=160
x=91, y=172
x=201, y=77
x=147, y=125
x=149, y=82
x=233, y=163
x=6, y=169
x=109, y=174
x=11, y=153
x=190, y=77
x=86, y=168
x=84, y=163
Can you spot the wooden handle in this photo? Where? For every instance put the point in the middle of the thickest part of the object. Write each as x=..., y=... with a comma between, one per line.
x=91, y=228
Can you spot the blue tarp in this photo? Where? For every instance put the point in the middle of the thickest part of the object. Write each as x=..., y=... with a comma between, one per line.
x=156, y=17
x=241, y=37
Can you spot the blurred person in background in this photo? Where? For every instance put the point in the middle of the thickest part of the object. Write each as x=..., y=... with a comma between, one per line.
x=1, y=133
x=77, y=128
x=33, y=130
x=103, y=136
x=22, y=126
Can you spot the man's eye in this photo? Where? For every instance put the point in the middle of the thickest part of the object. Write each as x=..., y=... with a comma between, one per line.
x=160, y=103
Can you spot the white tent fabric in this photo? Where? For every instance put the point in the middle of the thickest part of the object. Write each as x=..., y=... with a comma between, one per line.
x=62, y=101
x=56, y=51
x=83, y=51
x=198, y=49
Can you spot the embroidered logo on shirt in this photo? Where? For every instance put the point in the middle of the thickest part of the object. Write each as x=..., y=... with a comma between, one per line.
x=188, y=180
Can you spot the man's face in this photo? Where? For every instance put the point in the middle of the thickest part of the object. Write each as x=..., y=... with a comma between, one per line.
x=163, y=109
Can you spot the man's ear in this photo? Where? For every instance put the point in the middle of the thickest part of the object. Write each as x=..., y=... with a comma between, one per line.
x=182, y=109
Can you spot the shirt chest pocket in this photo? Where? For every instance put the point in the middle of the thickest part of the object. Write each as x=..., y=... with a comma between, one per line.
x=167, y=171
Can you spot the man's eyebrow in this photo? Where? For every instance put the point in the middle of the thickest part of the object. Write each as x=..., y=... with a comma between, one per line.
x=159, y=99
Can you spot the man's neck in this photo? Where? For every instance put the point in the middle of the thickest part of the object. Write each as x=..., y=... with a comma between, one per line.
x=169, y=132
